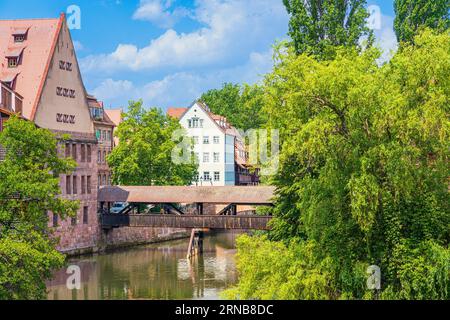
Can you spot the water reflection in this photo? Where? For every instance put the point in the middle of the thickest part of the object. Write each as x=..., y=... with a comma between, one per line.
x=158, y=271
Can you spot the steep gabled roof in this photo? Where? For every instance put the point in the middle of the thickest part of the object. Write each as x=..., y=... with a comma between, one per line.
x=37, y=51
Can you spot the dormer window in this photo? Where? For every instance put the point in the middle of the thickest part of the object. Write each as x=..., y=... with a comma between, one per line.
x=19, y=38
x=20, y=34
x=14, y=56
x=13, y=62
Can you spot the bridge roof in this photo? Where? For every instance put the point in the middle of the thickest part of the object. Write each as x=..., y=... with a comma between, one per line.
x=167, y=194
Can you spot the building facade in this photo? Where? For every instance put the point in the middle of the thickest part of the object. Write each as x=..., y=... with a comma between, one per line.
x=104, y=129
x=38, y=61
x=218, y=147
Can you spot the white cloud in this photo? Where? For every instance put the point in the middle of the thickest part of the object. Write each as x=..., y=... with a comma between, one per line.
x=78, y=45
x=181, y=88
x=232, y=30
x=160, y=12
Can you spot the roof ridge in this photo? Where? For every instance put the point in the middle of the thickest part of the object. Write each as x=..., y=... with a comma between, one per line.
x=30, y=19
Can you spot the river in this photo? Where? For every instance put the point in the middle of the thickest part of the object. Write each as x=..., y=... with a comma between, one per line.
x=155, y=271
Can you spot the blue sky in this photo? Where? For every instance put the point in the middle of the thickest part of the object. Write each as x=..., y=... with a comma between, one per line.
x=168, y=52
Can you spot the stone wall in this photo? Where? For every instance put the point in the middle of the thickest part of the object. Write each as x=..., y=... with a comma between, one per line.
x=128, y=236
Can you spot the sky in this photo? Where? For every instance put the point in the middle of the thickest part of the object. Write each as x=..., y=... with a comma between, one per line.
x=168, y=52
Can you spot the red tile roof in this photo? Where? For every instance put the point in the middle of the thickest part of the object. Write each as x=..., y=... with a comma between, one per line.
x=176, y=112
x=115, y=115
x=38, y=50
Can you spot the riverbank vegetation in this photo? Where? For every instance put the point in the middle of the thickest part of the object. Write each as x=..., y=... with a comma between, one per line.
x=363, y=176
x=29, y=189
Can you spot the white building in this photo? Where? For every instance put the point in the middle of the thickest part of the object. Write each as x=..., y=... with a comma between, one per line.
x=217, y=145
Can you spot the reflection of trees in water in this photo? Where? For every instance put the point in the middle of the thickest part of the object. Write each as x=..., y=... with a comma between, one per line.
x=158, y=271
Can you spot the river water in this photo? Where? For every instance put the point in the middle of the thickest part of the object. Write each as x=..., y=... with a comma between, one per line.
x=156, y=271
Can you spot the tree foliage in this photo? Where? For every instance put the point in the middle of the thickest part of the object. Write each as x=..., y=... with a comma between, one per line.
x=413, y=15
x=241, y=105
x=317, y=26
x=144, y=154
x=363, y=177
x=29, y=189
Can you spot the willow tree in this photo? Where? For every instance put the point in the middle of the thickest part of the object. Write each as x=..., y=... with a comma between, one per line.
x=363, y=177
x=317, y=26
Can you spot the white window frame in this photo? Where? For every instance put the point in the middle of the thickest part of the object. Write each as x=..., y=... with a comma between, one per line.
x=205, y=157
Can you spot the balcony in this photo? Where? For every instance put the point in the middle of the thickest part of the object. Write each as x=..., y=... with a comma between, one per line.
x=10, y=101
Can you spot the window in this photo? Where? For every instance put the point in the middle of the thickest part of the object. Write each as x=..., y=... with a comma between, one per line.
x=83, y=153
x=195, y=139
x=89, y=153
x=104, y=135
x=201, y=123
x=68, y=185
x=216, y=157
x=55, y=220
x=205, y=140
x=108, y=135
x=206, y=176
x=19, y=38
x=195, y=123
x=74, y=152
x=67, y=150
x=88, y=185
x=205, y=157
x=98, y=134
x=99, y=180
x=216, y=139
x=13, y=62
x=74, y=184
x=104, y=180
x=99, y=156
x=190, y=123
x=85, y=215
x=216, y=176
x=104, y=156
x=73, y=221
x=83, y=185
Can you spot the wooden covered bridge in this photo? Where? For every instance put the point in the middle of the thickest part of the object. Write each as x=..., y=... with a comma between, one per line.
x=168, y=196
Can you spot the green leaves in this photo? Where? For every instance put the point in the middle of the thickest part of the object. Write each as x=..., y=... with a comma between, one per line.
x=317, y=27
x=363, y=175
x=144, y=155
x=29, y=189
x=412, y=16
x=241, y=105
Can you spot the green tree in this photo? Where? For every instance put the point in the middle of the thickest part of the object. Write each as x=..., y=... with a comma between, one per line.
x=29, y=189
x=144, y=154
x=412, y=15
x=363, y=177
x=317, y=26
x=241, y=105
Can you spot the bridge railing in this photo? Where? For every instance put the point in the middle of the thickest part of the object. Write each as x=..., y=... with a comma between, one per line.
x=188, y=221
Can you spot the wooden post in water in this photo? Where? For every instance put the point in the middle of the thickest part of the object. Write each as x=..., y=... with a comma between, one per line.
x=195, y=243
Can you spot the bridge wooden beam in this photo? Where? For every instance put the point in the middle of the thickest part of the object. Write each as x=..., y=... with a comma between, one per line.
x=187, y=221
